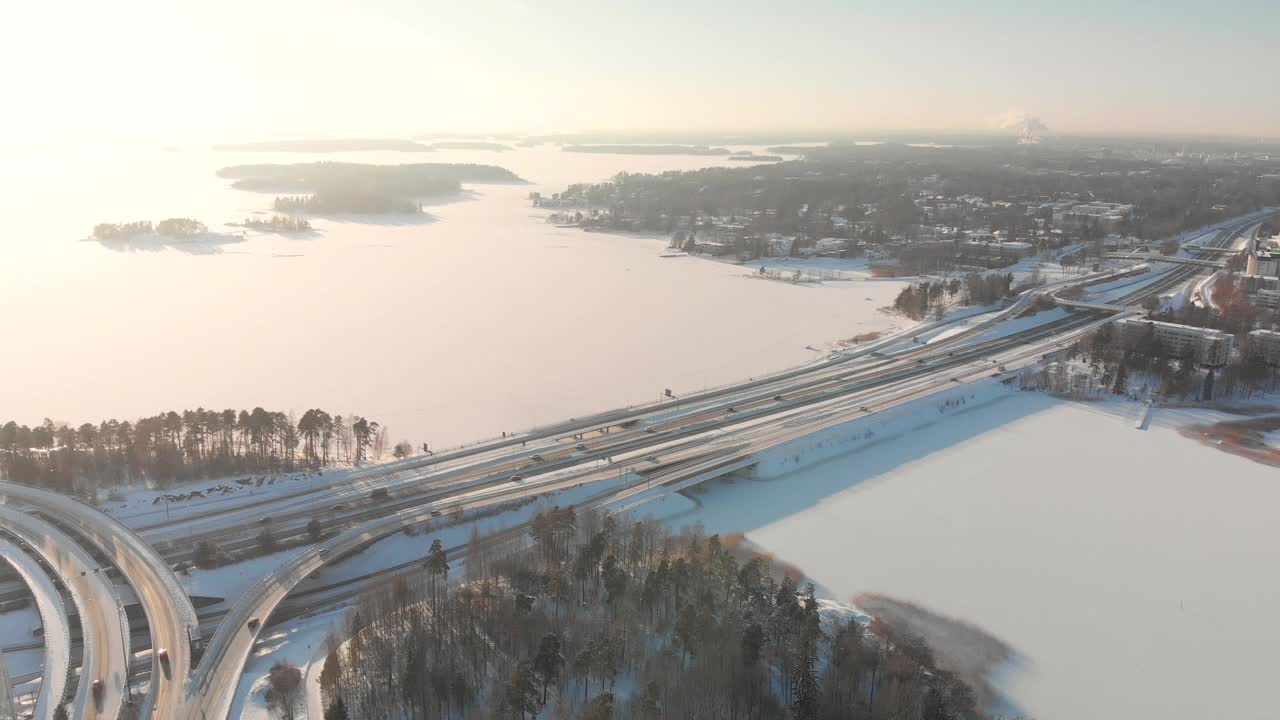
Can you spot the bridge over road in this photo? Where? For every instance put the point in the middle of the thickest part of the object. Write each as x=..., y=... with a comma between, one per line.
x=1219, y=264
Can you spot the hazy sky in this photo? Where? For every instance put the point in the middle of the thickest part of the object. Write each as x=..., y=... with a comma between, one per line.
x=250, y=68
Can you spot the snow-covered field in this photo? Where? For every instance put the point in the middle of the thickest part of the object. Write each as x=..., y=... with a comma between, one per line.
x=1132, y=570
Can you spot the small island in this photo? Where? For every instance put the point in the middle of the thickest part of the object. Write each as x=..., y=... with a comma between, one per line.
x=325, y=146
x=469, y=145
x=647, y=149
x=345, y=200
x=183, y=234
x=327, y=187
x=752, y=157
x=171, y=227
x=278, y=224
x=796, y=149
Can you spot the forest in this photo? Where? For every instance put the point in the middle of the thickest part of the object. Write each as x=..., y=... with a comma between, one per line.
x=918, y=300
x=347, y=200
x=598, y=616
x=173, y=447
x=878, y=183
x=329, y=187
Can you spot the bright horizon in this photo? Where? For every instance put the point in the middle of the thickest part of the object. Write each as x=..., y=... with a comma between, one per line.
x=166, y=71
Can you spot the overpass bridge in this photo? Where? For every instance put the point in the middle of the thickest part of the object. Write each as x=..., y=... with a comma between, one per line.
x=1103, y=307
x=1219, y=264
x=1211, y=249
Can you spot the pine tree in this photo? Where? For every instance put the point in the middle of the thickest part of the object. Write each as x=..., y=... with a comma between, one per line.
x=521, y=693
x=548, y=661
x=1120, y=386
x=601, y=707
x=752, y=643
x=805, y=689
x=336, y=711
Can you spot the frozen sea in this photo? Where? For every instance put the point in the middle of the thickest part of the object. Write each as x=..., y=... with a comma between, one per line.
x=475, y=319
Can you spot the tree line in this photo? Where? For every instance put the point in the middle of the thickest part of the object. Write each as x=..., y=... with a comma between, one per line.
x=918, y=300
x=173, y=227
x=597, y=616
x=171, y=447
x=279, y=223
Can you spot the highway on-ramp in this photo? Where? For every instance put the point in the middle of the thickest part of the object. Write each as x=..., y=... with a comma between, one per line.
x=170, y=615
x=102, y=620
x=53, y=619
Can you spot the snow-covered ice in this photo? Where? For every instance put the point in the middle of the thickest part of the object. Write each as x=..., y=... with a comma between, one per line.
x=1121, y=564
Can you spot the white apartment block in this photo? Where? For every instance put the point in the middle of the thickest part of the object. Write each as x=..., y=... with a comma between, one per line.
x=1206, y=346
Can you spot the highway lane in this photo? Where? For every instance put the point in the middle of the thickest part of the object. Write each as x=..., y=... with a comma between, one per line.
x=235, y=529
x=416, y=475
x=168, y=609
x=1077, y=322
x=102, y=618
x=53, y=619
x=392, y=474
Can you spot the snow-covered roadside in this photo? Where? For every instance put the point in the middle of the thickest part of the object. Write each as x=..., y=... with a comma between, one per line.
x=302, y=644
x=983, y=515
x=142, y=506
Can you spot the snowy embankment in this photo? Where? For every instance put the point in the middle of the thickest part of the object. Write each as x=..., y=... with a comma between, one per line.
x=1110, y=559
x=860, y=432
x=302, y=644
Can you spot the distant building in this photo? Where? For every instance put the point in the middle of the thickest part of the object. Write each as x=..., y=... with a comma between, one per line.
x=1265, y=344
x=1007, y=250
x=831, y=247
x=780, y=245
x=1262, y=290
x=1205, y=345
x=1264, y=259
x=1107, y=216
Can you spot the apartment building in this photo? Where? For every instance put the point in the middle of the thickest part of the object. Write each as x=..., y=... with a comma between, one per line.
x=1265, y=343
x=1207, y=346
